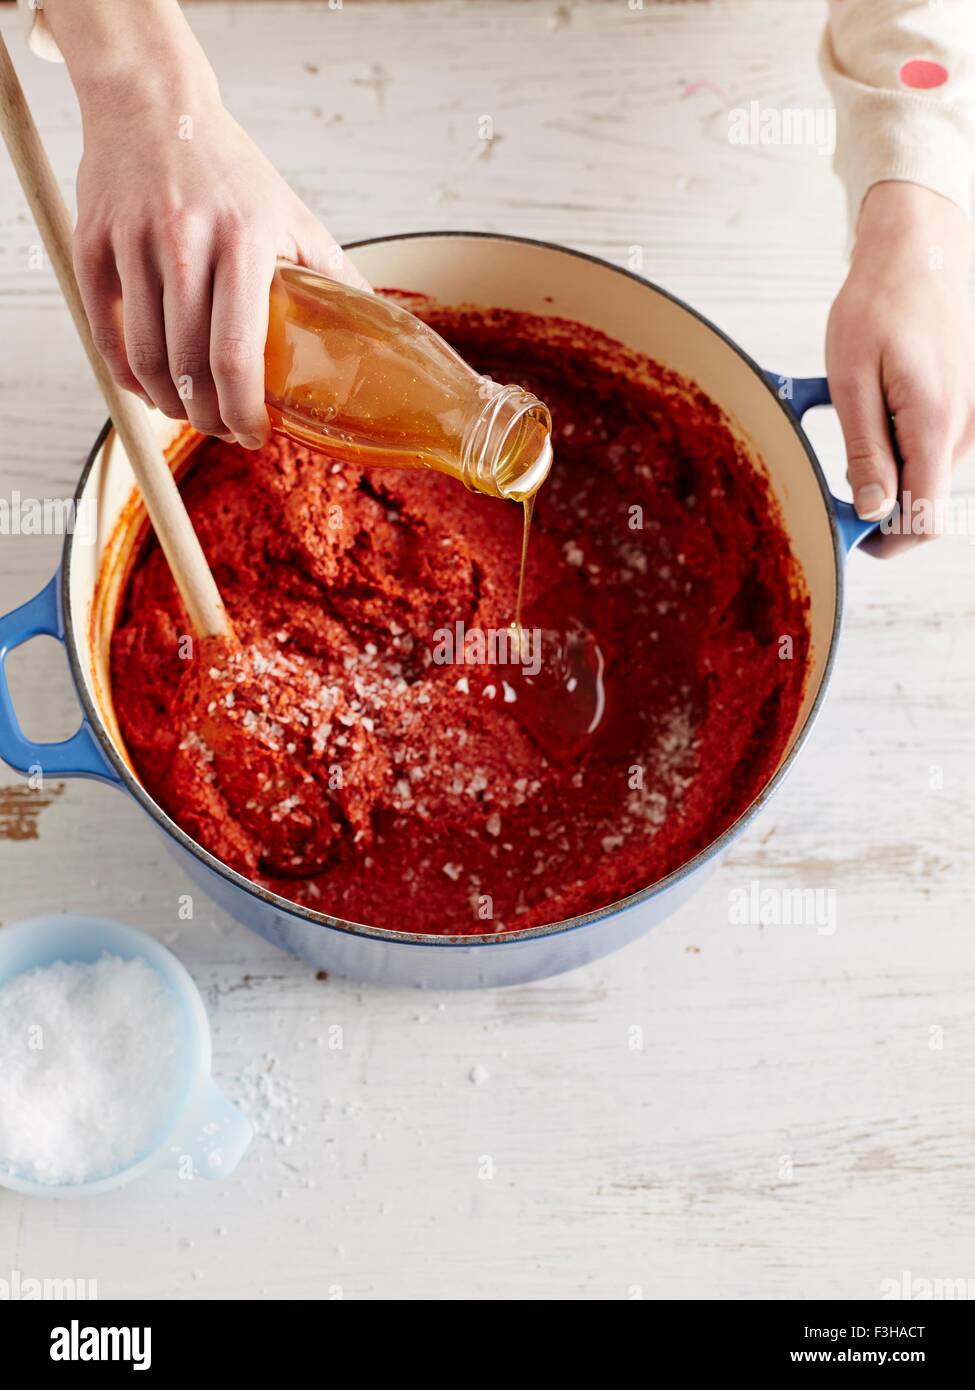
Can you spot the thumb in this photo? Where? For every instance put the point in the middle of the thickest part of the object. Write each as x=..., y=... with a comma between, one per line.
x=870, y=463
x=318, y=250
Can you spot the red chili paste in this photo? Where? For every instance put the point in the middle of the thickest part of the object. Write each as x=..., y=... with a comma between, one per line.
x=333, y=760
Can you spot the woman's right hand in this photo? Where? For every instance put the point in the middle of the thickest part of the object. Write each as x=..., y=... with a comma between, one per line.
x=181, y=220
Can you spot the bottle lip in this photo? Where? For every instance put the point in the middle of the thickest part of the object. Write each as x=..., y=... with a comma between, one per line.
x=486, y=442
x=531, y=480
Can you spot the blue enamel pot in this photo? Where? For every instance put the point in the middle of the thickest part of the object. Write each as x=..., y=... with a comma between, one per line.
x=78, y=605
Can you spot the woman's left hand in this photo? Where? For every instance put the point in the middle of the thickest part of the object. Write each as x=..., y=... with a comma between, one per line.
x=900, y=346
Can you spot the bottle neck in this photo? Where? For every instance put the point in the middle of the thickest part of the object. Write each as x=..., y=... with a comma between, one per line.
x=506, y=450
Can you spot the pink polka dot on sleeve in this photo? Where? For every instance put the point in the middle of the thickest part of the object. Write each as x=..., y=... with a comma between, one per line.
x=922, y=74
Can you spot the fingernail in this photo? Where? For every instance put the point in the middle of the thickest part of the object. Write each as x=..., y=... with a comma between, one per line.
x=871, y=502
x=249, y=441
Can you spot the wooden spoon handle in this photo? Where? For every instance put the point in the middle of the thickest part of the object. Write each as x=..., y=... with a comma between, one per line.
x=164, y=504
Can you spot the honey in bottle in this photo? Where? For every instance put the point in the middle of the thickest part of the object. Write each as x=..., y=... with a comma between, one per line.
x=360, y=376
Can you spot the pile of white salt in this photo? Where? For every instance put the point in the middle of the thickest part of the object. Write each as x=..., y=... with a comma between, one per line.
x=91, y=1056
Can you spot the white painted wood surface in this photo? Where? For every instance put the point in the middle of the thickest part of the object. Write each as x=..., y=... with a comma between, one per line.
x=791, y=1127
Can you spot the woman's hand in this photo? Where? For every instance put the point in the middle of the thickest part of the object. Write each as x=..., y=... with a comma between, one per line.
x=180, y=220
x=900, y=345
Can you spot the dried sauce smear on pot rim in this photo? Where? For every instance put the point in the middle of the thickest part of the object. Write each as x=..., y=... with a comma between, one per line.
x=335, y=761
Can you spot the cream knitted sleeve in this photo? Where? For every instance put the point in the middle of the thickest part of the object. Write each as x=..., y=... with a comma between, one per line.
x=39, y=35
x=902, y=75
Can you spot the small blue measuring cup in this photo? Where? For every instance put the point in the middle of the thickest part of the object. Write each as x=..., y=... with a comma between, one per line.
x=202, y=1128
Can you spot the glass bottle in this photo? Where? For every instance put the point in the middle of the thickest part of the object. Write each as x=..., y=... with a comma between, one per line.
x=362, y=377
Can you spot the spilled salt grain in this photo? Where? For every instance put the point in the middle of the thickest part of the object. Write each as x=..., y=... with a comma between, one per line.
x=91, y=1057
x=271, y=1102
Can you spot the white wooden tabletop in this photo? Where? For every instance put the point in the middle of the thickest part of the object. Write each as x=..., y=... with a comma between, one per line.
x=799, y=1122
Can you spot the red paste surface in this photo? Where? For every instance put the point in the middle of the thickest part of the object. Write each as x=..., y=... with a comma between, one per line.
x=331, y=759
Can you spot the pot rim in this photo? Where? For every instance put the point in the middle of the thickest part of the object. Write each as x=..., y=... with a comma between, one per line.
x=505, y=938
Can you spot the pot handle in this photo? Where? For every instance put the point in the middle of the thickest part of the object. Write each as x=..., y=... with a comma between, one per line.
x=78, y=756
x=799, y=394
